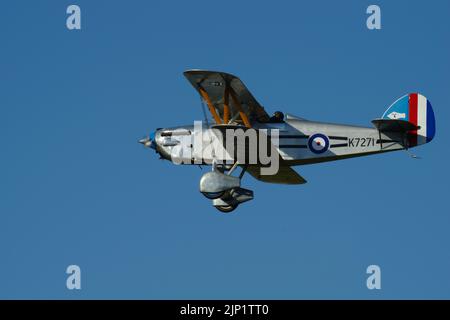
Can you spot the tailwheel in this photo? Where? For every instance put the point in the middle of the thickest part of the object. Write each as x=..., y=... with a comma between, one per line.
x=226, y=209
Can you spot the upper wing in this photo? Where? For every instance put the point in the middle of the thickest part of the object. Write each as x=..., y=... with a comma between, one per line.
x=229, y=101
x=285, y=175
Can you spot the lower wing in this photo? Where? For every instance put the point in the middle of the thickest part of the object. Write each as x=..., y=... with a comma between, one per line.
x=285, y=175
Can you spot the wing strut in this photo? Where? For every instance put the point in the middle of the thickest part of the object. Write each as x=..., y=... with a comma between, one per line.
x=202, y=102
x=226, y=112
x=226, y=105
x=211, y=107
x=239, y=106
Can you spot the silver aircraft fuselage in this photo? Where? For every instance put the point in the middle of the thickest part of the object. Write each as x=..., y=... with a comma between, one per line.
x=296, y=142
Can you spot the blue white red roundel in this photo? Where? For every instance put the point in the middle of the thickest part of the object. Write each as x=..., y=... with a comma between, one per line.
x=318, y=143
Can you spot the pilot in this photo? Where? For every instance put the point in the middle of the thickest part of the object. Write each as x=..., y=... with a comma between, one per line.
x=277, y=117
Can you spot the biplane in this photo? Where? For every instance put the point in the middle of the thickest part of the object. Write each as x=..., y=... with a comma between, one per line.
x=407, y=123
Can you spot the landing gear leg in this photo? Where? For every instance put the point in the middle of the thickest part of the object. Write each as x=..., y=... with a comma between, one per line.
x=244, y=169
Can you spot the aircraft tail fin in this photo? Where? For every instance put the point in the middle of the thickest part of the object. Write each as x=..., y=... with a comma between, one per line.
x=413, y=115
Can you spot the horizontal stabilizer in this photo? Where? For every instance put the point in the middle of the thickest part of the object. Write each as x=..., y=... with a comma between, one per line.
x=394, y=125
x=285, y=175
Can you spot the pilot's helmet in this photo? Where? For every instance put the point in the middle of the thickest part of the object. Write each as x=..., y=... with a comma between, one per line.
x=278, y=115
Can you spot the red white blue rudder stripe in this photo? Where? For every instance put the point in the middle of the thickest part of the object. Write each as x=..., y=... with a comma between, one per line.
x=416, y=109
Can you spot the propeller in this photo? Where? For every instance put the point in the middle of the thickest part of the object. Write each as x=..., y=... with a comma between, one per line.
x=148, y=141
x=145, y=141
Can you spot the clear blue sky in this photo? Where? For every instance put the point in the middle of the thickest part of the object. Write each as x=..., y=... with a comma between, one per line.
x=77, y=188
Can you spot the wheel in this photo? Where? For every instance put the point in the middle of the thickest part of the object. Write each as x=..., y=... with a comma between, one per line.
x=213, y=195
x=226, y=209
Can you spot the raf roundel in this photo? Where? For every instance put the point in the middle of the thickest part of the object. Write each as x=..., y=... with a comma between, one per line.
x=318, y=143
